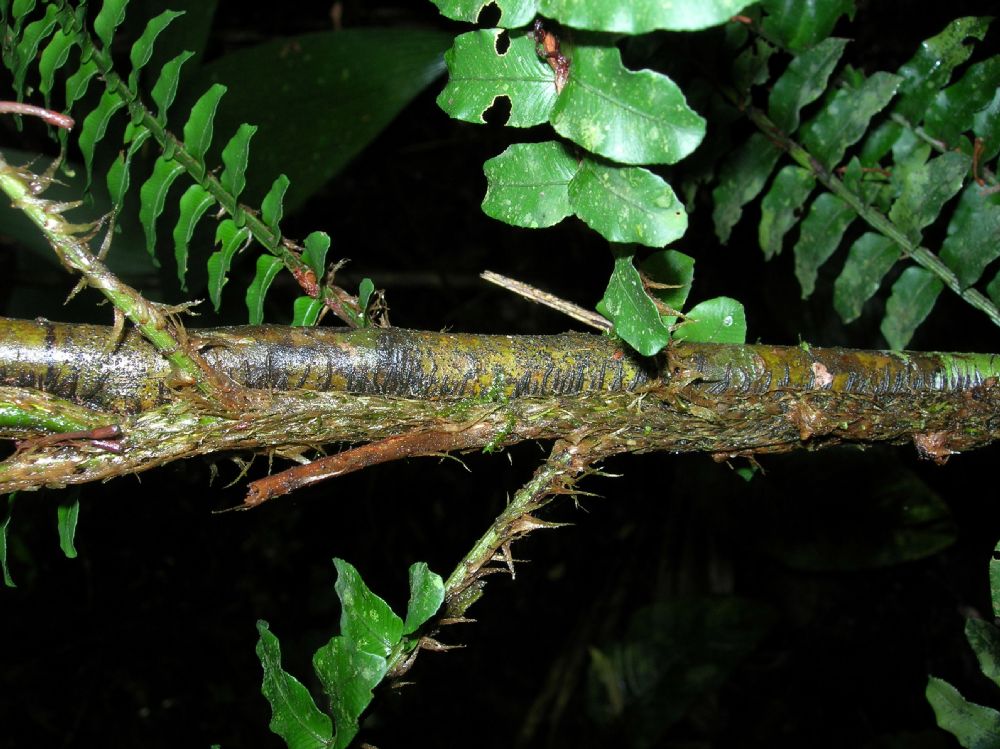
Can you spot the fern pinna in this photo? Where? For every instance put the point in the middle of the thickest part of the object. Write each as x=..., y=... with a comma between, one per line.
x=899, y=151
x=51, y=33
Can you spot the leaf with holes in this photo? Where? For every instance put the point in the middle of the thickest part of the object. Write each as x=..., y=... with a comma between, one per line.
x=528, y=184
x=799, y=25
x=868, y=260
x=781, y=207
x=193, y=204
x=912, y=299
x=626, y=304
x=627, y=204
x=294, y=715
x=821, y=232
x=365, y=619
x=268, y=267
x=642, y=16
x=165, y=88
x=513, y=13
x=478, y=75
x=803, y=82
x=348, y=675
x=741, y=179
x=631, y=117
x=153, y=197
x=719, y=320
x=973, y=240
x=233, y=239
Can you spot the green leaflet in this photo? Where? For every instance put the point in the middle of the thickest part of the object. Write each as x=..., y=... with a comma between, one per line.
x=781, y=206
x=819, y=237
x=365, y=290
x=27, y=47
x=986, y=126
x=153, y=197
x=642, y=16
x=142, y=50
x=750, y=67
x=868, y=260
x=54, y=56
x=165, y=89
x=232, y=239
x=271, y=207
x=235, y=156
x=78, y=83
x=365, y=619
x=954, y=109
x=95, y=125
x=528, y=184
x=930, y=68
x=741, y=179
x=512, y=12
x=314, y=255
x=625, y=303
x=719, y=320
x=294, y=715
x=198, y=129
x=803, y=82
x=845, y=117
x=994, y=575
x=109, y=18
x=925, y=190
x=984, y=638
x=426, y=596
x=118, y=173
x=193, y=204
x=478, y=75
x=267, y=268
x=67, y=514
x=673, y=269
x=348, y=675
x=975, y=726
x=799, y=25
x=972, y=243
x=6, y=512
x=631, y=117
x=627, y=205
x=305, y=310
x=912, y=299
x=994, y=289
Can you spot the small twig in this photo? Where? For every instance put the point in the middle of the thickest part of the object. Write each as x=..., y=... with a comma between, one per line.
x=578, y=313
x=50, y=116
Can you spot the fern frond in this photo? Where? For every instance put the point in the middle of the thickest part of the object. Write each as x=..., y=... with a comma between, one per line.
x=179, y=157
x=921, y=144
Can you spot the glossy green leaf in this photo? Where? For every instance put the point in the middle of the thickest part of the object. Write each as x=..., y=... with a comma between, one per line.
x=165, y=89
x=673, y=269
x=153, y=196
x=6, y=512
x=868, y=260
x=348, y=675
x=718, y=320
x=513, y=13
x=528, y=184
x=986, y=127
x=631, y=117
x=118, y=177
x=912, y=299
x=54, y=56
x=642, y=16
x=741, y=178
x=193, y=204
x=478, y=75
x=314, y=255
x=995, y=579
x=294, y=715
x=365, y=290
x=750, y=66
x=272, y=208
x=426, y=596
x=27, y=47
x=925, y=190
x=994, y=291
x=627, y=204
x=67, y=515
x=235, y=157
x=845, y=117
x=799, y=24
x=973, y=240
x=975, y=726
x=198, y=130
x=328, y=95
x=803, y=82
x=930, y=68
x=109, y=18
x=142, y=50
x=305, y=311
x=95, y=125
x=781, y=207
x=365, y=619
x=819, y=236
x=232, y=239
x=953, y=110
x=267, y=268
x=626, y=304
x=78, y=83
x=984, y=638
